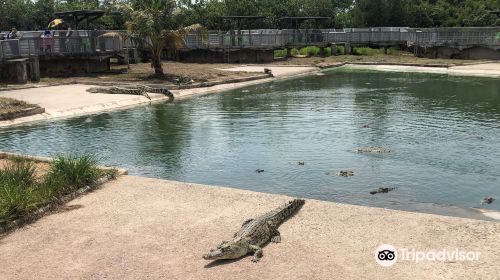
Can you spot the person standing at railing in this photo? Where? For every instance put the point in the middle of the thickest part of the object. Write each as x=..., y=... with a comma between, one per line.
x=12, y=34
x=47, y=41
x=14, y=43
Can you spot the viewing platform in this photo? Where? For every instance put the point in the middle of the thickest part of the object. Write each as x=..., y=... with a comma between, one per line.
x=86, y=51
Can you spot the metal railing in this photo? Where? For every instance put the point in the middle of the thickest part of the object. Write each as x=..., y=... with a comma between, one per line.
x=455, y=37
x=79, y=42
x=60, y=43
x=381, y=36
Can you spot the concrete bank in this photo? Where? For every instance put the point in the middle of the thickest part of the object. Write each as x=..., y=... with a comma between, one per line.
x=139, y=228
x=73, y=100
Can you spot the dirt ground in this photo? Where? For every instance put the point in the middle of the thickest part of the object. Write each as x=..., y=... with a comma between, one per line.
x=10, y=105
x=140, y=228
x=41, y=168
x=142, y=72
x=200, y=72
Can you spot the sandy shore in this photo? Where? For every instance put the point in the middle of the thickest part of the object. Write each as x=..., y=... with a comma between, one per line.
x=480, y=70
x=139, y=228
x=73, y=100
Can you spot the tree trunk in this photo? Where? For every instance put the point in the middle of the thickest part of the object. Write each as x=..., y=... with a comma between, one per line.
x=156, y=64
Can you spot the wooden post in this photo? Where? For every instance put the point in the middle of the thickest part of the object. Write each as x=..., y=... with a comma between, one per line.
x=334, y=49
x=322, y=51
x=347, y=48
x=35, y=69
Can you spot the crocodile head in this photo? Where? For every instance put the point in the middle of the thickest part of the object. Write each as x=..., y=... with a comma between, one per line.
x=226, y=250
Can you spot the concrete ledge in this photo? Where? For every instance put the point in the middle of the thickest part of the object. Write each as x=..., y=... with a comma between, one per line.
x=137, y=228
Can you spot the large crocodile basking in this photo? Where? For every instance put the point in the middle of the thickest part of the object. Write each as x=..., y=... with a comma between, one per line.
x=255, y=233
x=130, y=89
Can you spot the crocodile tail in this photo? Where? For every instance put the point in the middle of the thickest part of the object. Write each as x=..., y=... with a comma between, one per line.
x=287, y=210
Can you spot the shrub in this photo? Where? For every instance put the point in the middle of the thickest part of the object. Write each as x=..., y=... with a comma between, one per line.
x=17, y=184
x=77, y=171
x=21, y=192
x=280, y=53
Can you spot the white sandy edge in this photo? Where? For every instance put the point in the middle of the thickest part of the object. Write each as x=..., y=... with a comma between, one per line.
x=491, y=70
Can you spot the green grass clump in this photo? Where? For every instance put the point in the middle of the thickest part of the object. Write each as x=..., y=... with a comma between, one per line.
x=21, y=192
x=309, y=51
x=279, y=53
x=371, y=51
x=77, y=171
x=17, y=183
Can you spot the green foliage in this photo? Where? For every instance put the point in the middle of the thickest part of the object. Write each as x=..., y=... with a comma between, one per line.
x=309, y=51
x=371, y=51
x=279, y=53
x=21, y=192
x=170, y=14
x=78, y=171
x=424, y=13
x=17, y=182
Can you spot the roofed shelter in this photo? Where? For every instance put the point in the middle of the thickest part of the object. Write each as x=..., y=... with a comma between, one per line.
x=76, y=17
x=295, y=22
x=238, y=20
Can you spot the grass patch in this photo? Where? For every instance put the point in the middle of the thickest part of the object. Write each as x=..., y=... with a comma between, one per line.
x=10, y=105
x=21, y=192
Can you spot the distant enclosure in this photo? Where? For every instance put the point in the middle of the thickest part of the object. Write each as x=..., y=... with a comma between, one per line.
x=91, y=50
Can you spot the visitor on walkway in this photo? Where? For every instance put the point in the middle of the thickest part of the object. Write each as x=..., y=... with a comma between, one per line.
x=13, y=45
x=47, y=41
x=12, y=34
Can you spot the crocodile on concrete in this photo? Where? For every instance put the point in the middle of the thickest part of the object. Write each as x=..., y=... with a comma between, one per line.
x=130, y=89
x=255, y=233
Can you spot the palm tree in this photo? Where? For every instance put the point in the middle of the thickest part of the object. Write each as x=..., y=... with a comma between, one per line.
x=176, y=38
x=149, y=22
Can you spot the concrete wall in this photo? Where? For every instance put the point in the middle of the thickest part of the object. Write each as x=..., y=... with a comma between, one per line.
x=66, y=66
x=20, y=71
x=218, y=56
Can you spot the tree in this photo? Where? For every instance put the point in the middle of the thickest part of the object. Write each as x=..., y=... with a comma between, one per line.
x=149, y=23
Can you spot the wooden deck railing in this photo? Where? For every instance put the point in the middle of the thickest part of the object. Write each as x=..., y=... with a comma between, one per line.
x=78, y=42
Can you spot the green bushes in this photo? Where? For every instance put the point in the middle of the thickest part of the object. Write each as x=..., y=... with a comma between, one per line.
x=370, y=51
x=315, y=51
x=76, y=171
x=21, y=192
x=17, y=185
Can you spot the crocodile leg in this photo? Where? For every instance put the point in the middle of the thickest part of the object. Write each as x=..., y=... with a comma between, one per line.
x=257, y=253
x=275, y=236
x=274, y=233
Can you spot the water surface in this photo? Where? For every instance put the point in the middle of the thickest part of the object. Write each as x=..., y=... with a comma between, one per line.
x=444, y=133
